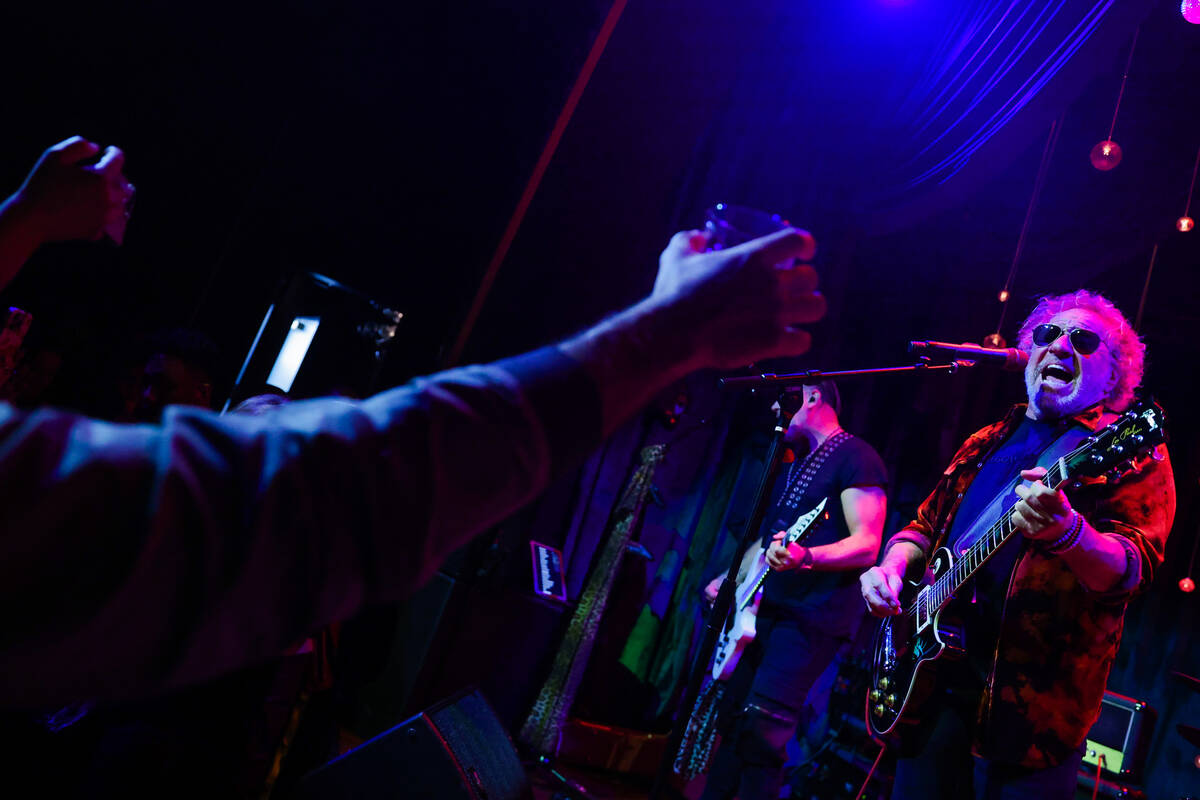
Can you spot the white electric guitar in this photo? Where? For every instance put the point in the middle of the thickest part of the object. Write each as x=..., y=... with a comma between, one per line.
x=740, y=625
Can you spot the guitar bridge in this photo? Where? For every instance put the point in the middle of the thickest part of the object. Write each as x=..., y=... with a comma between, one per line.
x=888, y=648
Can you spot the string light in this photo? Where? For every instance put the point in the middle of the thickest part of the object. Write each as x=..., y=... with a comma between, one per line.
x=1186, y=584
x=995, y=339
x=1191, y=11
x=1107, y=153
x=1186, y=223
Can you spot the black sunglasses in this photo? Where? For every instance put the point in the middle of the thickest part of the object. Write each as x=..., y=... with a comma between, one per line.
x=1084, y=341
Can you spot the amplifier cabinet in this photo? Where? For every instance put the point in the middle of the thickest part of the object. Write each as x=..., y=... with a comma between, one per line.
x=1121, y=736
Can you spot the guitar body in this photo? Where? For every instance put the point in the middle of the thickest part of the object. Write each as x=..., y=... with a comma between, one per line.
x=740, y=628
x=904, y=649
x=737, y=635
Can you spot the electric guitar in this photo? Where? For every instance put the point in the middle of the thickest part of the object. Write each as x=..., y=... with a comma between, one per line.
x=906, y=644
x=739, y=628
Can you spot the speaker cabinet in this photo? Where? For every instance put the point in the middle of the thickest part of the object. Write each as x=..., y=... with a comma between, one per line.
x=1121, y=737
x=454, y=750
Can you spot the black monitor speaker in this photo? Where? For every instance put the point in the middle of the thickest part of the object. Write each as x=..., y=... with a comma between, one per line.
x=1120, y=737
x=454, y=750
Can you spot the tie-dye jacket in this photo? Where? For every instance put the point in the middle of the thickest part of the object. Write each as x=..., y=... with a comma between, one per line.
x=1057, y=639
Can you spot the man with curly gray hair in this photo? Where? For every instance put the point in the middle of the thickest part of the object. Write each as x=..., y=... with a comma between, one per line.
x=1042, y=617
x=1125, y=350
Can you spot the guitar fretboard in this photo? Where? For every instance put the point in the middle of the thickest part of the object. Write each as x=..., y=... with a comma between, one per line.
x=968, y=563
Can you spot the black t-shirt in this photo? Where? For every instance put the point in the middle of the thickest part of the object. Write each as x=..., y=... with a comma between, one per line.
x=981, y=601
x=828, y=598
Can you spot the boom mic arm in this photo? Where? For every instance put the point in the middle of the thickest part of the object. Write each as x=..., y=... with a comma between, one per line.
x=1009, y=358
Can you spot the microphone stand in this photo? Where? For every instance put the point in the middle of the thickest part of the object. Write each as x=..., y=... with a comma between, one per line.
x=720, y=609
x=724, y=602
x=814, y=375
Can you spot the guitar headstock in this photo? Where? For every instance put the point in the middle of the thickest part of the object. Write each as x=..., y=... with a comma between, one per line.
x=1135, y=433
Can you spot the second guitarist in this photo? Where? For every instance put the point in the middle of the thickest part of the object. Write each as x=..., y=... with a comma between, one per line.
x=810, y=602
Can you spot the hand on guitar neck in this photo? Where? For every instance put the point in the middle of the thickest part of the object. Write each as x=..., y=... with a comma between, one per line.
x=783, y=556
x=1045, y=515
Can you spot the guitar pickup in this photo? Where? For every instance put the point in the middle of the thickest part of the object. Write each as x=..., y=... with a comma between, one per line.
x=924, y=609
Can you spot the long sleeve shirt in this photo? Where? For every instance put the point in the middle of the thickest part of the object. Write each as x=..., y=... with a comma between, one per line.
x=134, y=559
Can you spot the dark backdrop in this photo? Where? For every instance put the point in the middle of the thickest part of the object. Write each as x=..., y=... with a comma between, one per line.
x=386, y=144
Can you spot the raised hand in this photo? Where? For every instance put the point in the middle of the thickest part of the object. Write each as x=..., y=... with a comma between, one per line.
x=64, y=198
x=742, y=304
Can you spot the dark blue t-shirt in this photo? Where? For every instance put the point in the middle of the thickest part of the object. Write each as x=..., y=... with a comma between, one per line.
x=981, y=601
x=830, y=598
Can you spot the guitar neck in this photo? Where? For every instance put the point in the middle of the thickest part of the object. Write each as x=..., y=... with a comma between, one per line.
x=967, y=564
x=748, y=588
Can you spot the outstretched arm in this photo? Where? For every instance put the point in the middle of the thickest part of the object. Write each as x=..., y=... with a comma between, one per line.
x=134, y=559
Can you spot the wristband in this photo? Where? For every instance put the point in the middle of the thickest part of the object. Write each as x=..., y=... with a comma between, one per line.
x=1070, y=537
x=807, y=561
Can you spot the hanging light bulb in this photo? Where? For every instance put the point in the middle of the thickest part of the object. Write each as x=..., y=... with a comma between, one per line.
x=1191, y=11
x=1106, y=155
x=994, y=340
x=1186, y=584
x=1186, y=223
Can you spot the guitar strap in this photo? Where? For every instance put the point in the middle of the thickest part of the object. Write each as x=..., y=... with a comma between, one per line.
x=802, y=472
x=1004, y=502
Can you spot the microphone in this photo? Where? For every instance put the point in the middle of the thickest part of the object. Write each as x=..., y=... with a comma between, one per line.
x=1009, y=358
